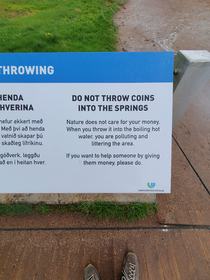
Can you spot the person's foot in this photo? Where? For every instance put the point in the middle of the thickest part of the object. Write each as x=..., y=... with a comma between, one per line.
x=91, y=273
x=130, y=267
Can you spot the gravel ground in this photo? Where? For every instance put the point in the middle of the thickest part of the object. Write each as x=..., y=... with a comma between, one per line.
x=172, y=25
x=164, y=25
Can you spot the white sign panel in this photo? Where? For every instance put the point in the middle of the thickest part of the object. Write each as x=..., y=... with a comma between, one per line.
x=86, y=122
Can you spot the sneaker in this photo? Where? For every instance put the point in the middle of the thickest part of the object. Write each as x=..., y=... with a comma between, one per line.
x=130, y=267
x=91, y=273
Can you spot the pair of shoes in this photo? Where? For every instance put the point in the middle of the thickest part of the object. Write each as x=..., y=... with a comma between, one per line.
x=91, y=273
x=130, y=269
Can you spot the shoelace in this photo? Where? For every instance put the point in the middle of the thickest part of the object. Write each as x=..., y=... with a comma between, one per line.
x=91, y=277
x=131, y=272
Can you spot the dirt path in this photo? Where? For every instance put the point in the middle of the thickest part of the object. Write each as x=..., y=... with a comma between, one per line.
x=172, y=25
x=164, y=25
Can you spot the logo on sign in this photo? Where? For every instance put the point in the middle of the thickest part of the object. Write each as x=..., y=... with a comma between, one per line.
x=151, y=186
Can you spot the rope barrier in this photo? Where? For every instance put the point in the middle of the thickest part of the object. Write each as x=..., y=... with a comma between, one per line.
x=108, y=228
x=191, y=165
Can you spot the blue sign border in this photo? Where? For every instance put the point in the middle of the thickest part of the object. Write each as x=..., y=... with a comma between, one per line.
x=116, y=67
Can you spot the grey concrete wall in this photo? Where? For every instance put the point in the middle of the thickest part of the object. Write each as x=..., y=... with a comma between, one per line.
x=193, y=72
x=75, y=198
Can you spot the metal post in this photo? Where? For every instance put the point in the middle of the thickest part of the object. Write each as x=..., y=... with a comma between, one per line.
x=191, y=73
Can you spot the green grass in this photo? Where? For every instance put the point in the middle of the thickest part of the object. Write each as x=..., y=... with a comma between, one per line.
x=123, y=212
x=16, y=209
x=56, y=25
x=101, y=210
x=63, y=26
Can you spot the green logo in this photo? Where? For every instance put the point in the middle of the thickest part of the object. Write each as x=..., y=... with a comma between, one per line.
x=151, y=186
